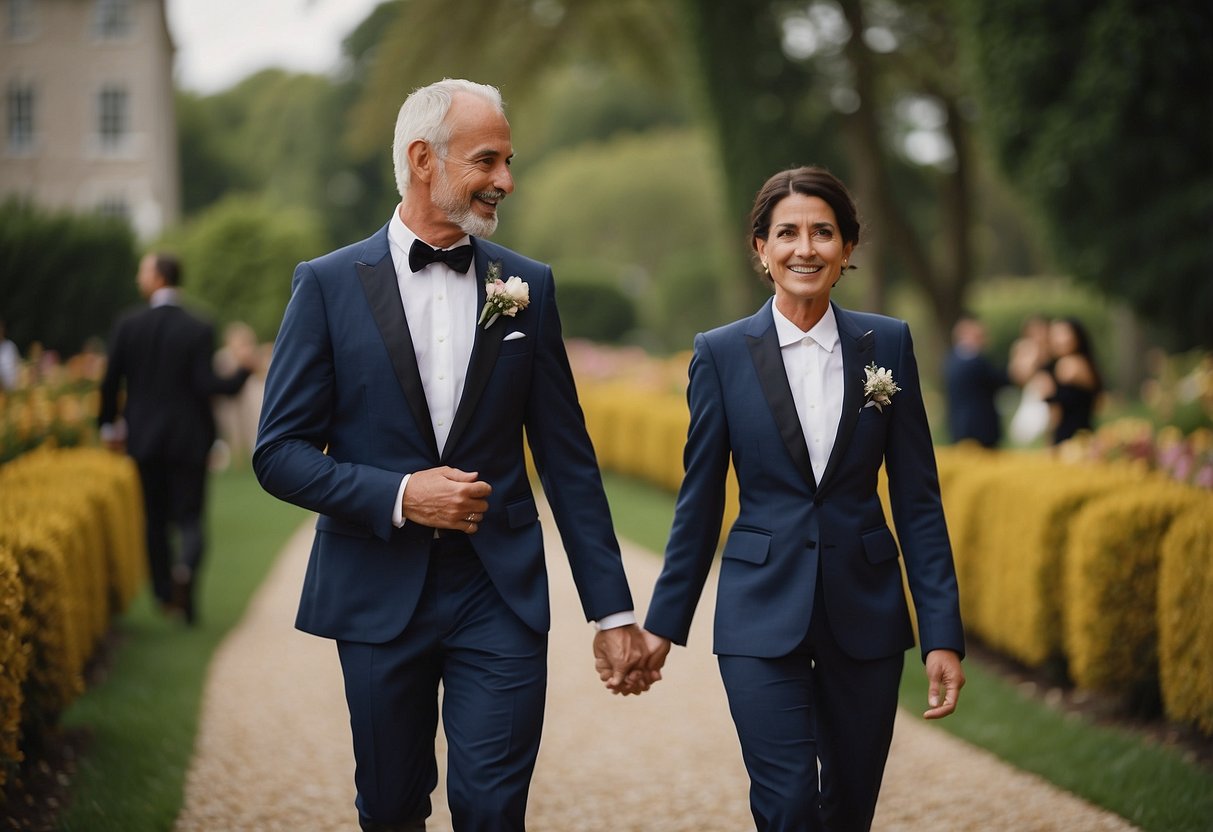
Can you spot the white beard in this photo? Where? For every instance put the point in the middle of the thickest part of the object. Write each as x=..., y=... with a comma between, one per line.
x=461, y=213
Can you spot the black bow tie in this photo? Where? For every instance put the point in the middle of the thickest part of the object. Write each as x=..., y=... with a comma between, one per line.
x=421, y=255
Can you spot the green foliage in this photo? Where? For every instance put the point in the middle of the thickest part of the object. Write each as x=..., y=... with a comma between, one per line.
x=210, y=164
x=640, y=211
x=513, y=44
x=595, y=311
x=1138, y=779
x=1003, y=304
x=1099, y=112
x=278, y=135
x=85, y=263
x=238, y=259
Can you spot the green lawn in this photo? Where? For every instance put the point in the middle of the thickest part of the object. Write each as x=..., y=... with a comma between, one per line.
x=143, y=716
x=1150, y=785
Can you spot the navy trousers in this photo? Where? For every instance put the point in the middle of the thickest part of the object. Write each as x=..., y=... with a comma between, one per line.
x=493, y=673
x=816, y=705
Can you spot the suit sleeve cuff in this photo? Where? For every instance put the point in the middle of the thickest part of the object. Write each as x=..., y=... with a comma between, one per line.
x=615, y=619
x=398, y=512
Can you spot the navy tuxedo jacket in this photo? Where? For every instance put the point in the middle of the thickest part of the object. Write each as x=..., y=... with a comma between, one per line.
x=345, y=417
x=791, y=529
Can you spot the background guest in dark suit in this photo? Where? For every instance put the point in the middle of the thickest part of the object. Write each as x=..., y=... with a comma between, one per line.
x=395, y=405
x=808, y=400
x=971, y=384
x=156, y=403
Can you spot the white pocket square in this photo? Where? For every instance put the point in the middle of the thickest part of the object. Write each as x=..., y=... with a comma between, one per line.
x=514, y=336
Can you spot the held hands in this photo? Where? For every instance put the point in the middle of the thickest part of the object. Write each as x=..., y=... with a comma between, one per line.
x=945, y=678
x=628, y=659
x=446, y=498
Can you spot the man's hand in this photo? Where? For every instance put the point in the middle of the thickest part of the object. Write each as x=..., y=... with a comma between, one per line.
x=446, y=498
x=619, y=655
x=658, y=648
x=945, y=678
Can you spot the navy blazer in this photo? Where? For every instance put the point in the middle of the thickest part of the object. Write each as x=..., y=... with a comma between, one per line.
x=345, y=417
x=790, y=528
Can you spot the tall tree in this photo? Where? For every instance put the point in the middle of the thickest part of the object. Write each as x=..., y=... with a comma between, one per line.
x=1101, y=112
x=842, y=84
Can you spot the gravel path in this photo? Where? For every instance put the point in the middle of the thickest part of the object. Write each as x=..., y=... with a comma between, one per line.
x=273, y=751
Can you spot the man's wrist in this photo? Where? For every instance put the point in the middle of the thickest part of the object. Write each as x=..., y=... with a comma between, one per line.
x=615, y=619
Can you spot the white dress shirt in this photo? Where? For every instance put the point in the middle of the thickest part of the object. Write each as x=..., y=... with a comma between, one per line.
x=440, y=306
x=813, y=363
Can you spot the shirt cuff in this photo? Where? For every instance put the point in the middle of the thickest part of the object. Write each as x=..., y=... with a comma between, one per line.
x=398, y=512
x=615, y=619
x=113, y=431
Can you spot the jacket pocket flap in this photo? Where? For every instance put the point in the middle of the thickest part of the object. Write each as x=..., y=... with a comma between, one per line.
x=751, y=547
x=324, y=523
x=521, y=512
x=879, y=545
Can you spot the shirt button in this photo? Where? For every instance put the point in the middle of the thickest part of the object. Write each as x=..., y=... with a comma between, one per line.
x=441, y=339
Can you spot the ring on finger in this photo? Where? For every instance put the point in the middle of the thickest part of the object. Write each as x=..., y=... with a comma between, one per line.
x=471, y=518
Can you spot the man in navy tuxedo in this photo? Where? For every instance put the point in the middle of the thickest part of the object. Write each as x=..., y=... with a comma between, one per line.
x=972, y=382
x=395, y=409
x=808, y=401
x=156, y=403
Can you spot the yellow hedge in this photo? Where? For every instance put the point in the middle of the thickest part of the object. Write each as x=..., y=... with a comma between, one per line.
x=71, y=527
x=1015, y=553
x=1056, y=557
x=1185, y=621
x=56, y=664
x=14, y=661
x=1110, y=582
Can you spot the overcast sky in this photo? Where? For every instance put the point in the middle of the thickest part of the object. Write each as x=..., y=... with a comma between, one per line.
x=220, y=42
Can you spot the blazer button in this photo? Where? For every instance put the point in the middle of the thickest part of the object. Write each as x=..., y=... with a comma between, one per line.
x=810, y=544
x=817, y=501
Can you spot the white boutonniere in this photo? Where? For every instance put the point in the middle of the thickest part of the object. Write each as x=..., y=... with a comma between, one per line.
x=878, y=387
x=502, y=297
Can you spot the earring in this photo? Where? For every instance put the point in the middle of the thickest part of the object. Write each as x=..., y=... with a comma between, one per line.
x=765, y=268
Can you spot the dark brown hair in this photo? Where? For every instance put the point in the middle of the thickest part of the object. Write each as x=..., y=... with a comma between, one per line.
x=809, y=181
x=168, y=266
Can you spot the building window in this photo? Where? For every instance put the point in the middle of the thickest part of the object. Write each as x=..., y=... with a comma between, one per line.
x=115, y=207
x=20, y=19
x=112, y=18
x=20, y=107
x=113, y=121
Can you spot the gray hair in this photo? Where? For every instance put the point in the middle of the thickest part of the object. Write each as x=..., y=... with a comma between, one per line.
x=423, y=117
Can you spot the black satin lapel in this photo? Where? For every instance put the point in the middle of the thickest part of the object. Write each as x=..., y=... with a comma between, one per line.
x=768, y=363
x=383, y=295
x=485, y=347
x=856, y=354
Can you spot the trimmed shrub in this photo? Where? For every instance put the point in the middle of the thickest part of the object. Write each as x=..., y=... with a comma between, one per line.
x=14, y=662
x=72, y=554
x=1185, y=619
x=1111, y=587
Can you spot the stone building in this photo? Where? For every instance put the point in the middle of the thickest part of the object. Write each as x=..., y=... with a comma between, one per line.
x=88, y=109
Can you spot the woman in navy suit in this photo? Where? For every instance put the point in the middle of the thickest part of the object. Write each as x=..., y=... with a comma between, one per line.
x=808, y=400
